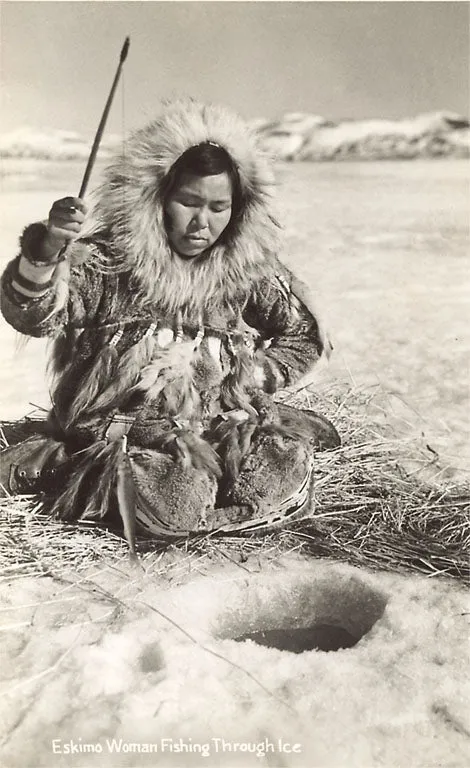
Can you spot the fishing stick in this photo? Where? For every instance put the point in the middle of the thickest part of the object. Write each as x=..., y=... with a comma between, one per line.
x=100, y=131
x=104, y=117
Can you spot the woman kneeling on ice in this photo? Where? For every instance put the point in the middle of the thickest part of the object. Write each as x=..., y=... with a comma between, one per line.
x=174, y=323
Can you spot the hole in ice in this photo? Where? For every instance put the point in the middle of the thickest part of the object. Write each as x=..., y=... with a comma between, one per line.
x=323, y=637
x=296, y=612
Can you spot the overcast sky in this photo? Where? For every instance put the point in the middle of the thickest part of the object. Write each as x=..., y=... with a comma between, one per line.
x=336, y=59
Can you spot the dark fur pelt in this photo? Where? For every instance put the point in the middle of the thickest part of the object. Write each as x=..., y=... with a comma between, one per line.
x=234, y=433
x=126, y=374
x=62, y=350
x=307, y=425
x=97, y=377
x=102, y=474
x=232, y=437
x=190, y=450
x=91, y=482
x=236, y=388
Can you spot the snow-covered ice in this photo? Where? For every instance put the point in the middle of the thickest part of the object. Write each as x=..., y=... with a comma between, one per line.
x=132, y=661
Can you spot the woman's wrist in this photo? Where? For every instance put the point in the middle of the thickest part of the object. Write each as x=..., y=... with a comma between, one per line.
x=38, y=272
x=32, y=280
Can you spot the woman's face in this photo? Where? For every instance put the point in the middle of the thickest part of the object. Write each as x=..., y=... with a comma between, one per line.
x=197, y=212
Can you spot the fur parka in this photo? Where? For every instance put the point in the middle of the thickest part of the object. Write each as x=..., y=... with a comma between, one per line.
x=176, y=350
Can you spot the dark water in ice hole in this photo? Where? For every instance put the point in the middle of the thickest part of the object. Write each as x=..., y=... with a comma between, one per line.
x=322, y=637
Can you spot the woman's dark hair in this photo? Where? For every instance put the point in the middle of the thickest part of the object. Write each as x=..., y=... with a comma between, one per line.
x=206, y=159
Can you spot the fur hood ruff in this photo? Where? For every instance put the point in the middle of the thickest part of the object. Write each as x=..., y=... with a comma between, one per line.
x=129, y=211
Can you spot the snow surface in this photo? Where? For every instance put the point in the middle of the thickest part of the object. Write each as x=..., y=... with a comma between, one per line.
x=131, y=656
x=87, y=660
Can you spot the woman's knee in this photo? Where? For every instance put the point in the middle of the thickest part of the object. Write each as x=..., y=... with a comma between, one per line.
x=275, y=468
x=180, y=497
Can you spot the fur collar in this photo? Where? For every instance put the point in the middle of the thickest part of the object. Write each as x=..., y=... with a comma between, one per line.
x=129, y=209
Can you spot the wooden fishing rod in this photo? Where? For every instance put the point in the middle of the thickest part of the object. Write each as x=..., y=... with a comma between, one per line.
x=104, y=117
x=99, y=133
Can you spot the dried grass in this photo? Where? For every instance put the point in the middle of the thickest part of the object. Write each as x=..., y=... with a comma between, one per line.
x=383, y=500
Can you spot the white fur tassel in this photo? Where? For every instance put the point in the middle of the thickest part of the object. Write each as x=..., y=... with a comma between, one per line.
x=171, y=364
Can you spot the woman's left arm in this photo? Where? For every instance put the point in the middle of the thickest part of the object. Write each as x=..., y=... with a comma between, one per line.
x=292, y=336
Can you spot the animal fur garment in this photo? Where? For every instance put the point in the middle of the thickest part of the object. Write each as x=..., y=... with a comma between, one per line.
x=174, y=347
x=171, y=372
x=101, y=372
x=92, y=480
x=126, y=375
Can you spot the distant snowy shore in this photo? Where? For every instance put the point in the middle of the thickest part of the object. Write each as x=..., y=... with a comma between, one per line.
x=294, y=137
x=300, y=136
x=29, y=143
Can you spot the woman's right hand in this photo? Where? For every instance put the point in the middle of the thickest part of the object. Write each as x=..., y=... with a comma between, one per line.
x=64, y=224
